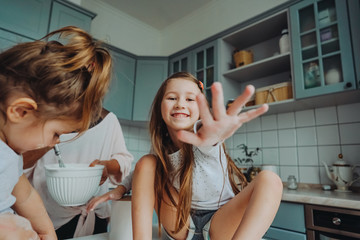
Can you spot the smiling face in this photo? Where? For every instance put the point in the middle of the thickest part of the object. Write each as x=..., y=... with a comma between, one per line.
x=179, y=108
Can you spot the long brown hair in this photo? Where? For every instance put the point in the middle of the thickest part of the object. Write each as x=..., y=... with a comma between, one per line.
x=161, y=143
x=66, y=80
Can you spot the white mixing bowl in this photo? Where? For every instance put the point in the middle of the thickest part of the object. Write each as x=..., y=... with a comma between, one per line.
x=73, y=185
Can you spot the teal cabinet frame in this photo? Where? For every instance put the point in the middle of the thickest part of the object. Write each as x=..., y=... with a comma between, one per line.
x=119, y=99
x=181, y=63
x=29, y=18
x=9, y=39
x=310, y=60
x=66, y=14
x=150, y=73
x=354, y=14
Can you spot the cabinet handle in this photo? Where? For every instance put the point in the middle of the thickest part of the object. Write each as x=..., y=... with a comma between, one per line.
x=348, y=85
x=336, y=221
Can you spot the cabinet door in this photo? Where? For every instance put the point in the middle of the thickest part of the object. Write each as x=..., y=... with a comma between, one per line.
x=29, y=18
x=181, y=63
x=322, y=48
x=280, y=234
x=119, y=99
x=354, y=12
x=8, y=39
x=205, y=66
x=290, y=216
x=64, y=15
x=149, y=76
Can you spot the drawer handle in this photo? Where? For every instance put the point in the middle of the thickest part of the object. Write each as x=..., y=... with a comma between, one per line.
x=336, y=221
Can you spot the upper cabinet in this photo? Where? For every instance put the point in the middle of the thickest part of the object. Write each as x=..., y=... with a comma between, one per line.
x=322, y=51
x=66, y=14
x=205, y=65
x=201, y=61
x=354, y=14
x=150, y=73
x=119, y=99
x=28, y=18
x=256, y=54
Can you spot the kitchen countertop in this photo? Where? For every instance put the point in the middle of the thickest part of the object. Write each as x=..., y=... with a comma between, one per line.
x=315, y=195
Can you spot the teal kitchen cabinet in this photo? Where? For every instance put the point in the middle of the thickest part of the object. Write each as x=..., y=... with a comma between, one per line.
x=150, y=73
x=205, y=65
x=321, y=44
x=28, y=18
x=354, y=14
x=9, y=39
x=181, y=63
x=289, y=223
x=119, y=98
x=64, y=13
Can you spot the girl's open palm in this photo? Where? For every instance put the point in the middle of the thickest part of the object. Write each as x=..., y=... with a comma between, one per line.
x=222, y=123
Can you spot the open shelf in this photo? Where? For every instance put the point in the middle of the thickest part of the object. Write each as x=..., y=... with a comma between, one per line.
x=262, y=68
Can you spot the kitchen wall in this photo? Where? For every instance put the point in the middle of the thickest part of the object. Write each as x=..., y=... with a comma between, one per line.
x=127, y=33
x=296, y=142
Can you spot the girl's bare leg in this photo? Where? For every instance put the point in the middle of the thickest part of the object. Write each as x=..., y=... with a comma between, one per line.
x=250, y=213
x=143, y=198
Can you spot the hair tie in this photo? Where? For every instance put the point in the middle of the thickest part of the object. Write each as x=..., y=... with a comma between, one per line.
x=201, y=85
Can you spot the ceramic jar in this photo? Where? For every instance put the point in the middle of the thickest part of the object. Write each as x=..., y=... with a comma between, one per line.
x=291, y=183
x=284, y=43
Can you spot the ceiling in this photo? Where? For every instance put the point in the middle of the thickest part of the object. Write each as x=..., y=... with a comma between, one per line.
x=157, y=13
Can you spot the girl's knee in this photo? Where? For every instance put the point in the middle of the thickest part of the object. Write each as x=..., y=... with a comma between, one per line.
x=270, y=178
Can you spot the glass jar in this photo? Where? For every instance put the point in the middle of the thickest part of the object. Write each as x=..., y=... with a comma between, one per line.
x=291, y=183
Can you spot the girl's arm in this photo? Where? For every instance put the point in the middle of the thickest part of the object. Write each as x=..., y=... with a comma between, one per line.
x=29, y=205
x=114, y=194
x=222, y=123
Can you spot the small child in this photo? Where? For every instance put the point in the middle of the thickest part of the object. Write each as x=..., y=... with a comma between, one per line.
x=189, y=179
x=46, y=89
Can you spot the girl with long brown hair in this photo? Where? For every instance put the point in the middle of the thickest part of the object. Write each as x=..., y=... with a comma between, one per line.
x=195, y=188
x=47, y=88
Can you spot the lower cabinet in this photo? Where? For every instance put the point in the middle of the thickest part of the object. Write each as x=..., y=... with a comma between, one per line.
x=150, y=73
x=289, y=223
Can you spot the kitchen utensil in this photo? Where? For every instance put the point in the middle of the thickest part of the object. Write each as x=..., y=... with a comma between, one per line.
x=58, y=155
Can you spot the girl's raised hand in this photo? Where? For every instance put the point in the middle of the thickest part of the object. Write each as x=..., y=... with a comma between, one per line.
x=222, y=123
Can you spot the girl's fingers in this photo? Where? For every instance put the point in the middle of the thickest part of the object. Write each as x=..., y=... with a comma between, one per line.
x=254, y=113
x=240, y=101
x=218, y=101
x=189, y=137
x=205, y=114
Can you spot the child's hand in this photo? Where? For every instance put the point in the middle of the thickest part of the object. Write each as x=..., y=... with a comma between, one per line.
x=105, y=173
x=114, y=194
x=16, y=227
x=223, y=123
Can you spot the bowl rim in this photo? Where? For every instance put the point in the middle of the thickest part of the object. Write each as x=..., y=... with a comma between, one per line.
x=73, y=167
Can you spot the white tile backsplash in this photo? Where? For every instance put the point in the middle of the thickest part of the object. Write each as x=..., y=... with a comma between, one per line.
x=306, y=136
x=308, y=156
x=286, y=120
x=325, y=116
x=269, y=139
x=287, y=138
x=327, y=135
x=253, y=139
x=309, y=174
x=254, y=125
x=288, y=156
x=268, y=122
x=305, y=118
x=349, y=113
x=350, y=133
